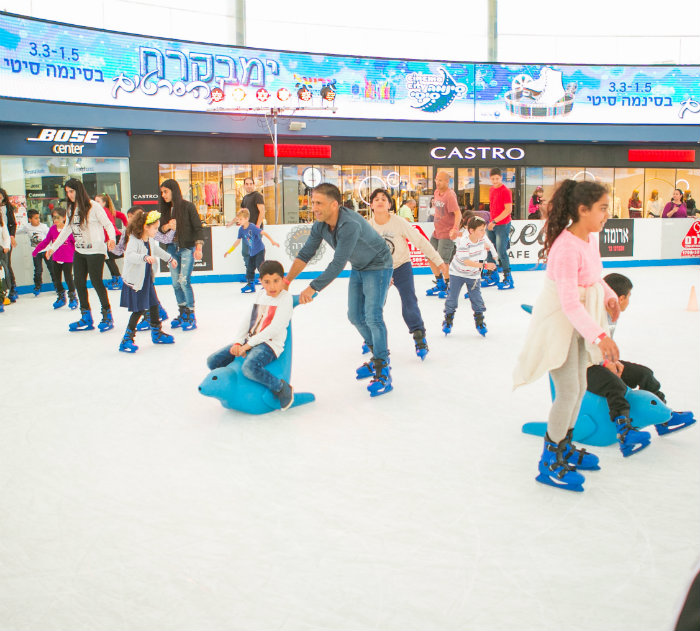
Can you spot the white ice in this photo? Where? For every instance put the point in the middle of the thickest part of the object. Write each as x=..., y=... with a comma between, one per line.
x=130, y=502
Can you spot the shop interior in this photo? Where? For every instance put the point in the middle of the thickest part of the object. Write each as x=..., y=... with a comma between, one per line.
x=217, y=190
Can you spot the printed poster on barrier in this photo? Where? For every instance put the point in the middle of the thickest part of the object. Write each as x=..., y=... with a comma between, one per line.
x=617, y=238
x=691, y=242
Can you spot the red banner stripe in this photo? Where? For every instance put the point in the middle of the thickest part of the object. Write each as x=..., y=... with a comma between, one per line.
x=661, y=155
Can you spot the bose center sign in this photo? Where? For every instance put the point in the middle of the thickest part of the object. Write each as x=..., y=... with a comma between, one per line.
x=484, y=152
x=68, y=141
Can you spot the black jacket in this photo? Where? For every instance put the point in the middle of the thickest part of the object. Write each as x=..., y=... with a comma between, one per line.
x=11, y=222
x=189, y=226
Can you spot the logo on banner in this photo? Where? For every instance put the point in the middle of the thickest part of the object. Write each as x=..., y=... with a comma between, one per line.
x=617, y=238
x=71, y=141
x=691, y=241
x=433, y=93
x=296, y=238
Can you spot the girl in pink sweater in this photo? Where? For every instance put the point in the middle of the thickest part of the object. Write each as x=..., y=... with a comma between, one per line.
x=62, y=260
x=568, y=331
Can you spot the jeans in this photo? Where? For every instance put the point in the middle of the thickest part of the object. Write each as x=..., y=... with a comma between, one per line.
x=92, y=264
x=446, y=248
x=500, y=237
x=403, y=281
x=367, y=293
x=245, y=253
x=182, y=274
x=253, y=263
x=473, y=287
x=253, y=365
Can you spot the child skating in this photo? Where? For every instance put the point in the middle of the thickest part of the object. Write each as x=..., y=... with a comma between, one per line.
x=256, y=248
x=466, y=267
x=138, y=291
x=261, y=335
x=569, y=327
x=395, y=231
x=62, y=260
x=612, y=379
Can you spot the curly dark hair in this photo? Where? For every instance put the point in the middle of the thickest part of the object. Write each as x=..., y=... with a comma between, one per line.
x=136, y=225
x=564, y=205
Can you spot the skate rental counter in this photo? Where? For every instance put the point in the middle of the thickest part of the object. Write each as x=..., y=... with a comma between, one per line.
x=623, y=242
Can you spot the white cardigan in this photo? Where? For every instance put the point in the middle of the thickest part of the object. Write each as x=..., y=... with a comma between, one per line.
x=89, y=238
x=549, y=335
x=135, y=255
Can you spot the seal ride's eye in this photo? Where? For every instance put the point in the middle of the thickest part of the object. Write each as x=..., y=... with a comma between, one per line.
x=214, y=378
x=654, y=403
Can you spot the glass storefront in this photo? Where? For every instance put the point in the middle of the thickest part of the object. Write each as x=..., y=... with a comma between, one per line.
x=40, y=180
x=217, y=189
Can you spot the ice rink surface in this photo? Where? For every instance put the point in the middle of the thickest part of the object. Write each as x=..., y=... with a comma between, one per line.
x=130, y=502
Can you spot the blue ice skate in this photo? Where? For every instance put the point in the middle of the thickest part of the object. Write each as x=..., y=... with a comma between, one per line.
x=554, y=470
x=421, y=343
x=440, y=285
x=679, y=420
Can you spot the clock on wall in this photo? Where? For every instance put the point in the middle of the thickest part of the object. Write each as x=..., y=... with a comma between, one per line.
x=311, y=177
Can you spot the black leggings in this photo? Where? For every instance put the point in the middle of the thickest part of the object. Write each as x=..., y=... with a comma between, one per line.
x=112, y=265
x=92, y=264
x=65, y=269
x=10, y=278
x=152, y=316
x=604, y=383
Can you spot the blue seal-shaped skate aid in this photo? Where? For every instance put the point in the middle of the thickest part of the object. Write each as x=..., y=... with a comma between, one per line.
x=593, y=424
x=236, y=392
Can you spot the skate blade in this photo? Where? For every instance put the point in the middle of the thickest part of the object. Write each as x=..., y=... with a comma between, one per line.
x=663, y=431
x=545, y=479
x=377, y=393
x=636, y=449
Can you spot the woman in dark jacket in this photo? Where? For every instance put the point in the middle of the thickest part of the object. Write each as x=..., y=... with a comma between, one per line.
x=186, y=248
x=8, y=211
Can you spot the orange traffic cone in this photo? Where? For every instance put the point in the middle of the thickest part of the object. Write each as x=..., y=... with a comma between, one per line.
x=693, y=300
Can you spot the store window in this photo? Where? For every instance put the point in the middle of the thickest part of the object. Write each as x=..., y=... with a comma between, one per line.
x=181, y=173
x=36, y=183
x=354, y=180
x=688, y=180
x=534, y=177
x=466, y=188
x=207, y=193
x=628, y=190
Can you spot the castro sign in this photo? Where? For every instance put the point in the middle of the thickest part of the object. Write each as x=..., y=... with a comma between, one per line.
x=68, y=141
x=477, y=153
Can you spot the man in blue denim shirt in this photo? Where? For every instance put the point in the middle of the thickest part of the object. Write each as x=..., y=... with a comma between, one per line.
x=354, y=241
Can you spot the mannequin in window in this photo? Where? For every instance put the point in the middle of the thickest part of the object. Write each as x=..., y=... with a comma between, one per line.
x=634, y=205
x=689, y=204
x=654, y=205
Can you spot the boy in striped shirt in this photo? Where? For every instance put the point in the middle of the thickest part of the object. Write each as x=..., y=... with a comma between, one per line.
x=465, y=269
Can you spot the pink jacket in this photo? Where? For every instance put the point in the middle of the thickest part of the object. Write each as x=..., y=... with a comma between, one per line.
x=64, y=254
x=573, y=263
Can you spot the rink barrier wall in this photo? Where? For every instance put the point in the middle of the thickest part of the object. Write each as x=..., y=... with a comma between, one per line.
x=624, y=243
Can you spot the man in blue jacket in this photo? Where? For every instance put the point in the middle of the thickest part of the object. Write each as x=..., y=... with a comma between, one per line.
x=354, y=241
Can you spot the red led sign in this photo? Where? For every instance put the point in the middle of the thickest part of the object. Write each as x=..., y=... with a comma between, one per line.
x=661, y=155
x=297, y=151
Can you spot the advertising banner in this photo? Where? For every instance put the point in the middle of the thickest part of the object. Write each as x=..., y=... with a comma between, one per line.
x=55, y=62
x=617, y=238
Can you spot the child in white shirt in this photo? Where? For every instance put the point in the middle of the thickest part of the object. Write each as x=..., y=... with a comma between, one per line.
x=261, y=335
x=465, y=269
